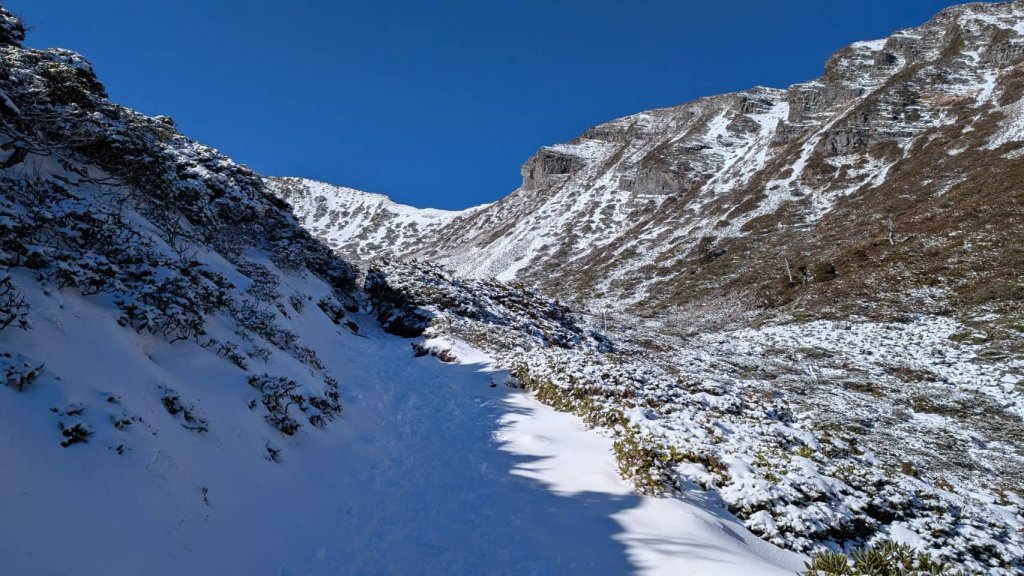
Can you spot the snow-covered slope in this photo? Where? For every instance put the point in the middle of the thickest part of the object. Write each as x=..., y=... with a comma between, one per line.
x=431, y=470
x=360, y=224
x=817, y=435
x=187, y=385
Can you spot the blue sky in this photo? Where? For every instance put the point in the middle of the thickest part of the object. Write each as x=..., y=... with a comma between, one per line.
x=437, y=103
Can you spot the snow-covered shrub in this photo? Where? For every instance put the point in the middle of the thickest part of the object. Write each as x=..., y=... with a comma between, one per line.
x=408, y=296
x=13, y=308
x=177, y=307
x=647, y=463
x=68, y=81
x=259, y=353
x=328, y=404
x=75, y=434
x=185, y=413
x=264, y=283
x=18, y=371
x=334, y=310
x=283, y=396
x=279, y=394
x=228, y=350
x=12, y=31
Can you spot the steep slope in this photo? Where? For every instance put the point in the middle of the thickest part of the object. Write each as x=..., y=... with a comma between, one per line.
x=896, y=170
x=360, y=224
x=174, y=354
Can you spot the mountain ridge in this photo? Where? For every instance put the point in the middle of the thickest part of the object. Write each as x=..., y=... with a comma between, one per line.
x=668, y=211
x=360, y=224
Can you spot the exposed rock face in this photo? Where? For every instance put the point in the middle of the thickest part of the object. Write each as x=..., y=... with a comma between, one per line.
x=548, y=168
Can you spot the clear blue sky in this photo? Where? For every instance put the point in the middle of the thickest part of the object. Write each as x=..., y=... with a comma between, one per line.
x=437, y=103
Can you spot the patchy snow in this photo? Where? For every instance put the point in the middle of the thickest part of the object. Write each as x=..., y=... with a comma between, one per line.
x=1012, y=18
x=1011, y=127
x=925, y=343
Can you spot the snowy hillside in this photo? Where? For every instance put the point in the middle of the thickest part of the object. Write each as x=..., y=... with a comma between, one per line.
x=192, y=384
x=789, y=323
x=359, y=224
x=920, y=131
x=430, y=470
x=810, y=300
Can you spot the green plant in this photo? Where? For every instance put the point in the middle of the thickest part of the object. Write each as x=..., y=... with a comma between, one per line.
x=646, y=463
x=885, y=558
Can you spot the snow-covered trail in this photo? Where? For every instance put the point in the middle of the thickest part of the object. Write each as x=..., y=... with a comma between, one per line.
x=430, y=470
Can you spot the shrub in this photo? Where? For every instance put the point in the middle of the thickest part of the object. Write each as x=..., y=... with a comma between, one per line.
x=12, y=31
x=13, y=308
x=279, y=394
x=229, y=350
x=886, y=558
x=189, y=420
x=79, y=433
x=18, y=372
x=332, y=309
x=264, y=282
x=645, y=462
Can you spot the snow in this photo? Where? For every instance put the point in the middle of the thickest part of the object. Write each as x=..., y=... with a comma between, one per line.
x=1011, y=127
x=1010, y=21
x=872, y=45
x=661, y=535
x=441, y=468
x=924, y=343
x=430, y=470
x=360, y=223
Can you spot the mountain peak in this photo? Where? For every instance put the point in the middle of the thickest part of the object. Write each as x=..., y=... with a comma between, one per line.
x=359, y=224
